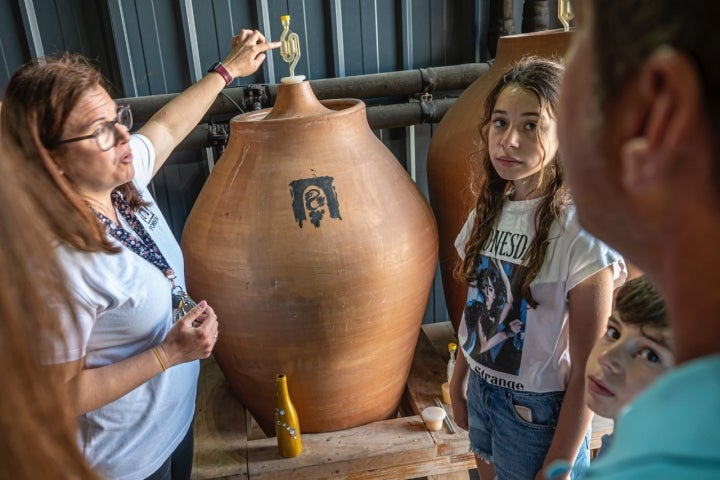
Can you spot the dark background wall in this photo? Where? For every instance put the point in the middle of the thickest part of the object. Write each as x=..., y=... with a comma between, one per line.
x=153, y=47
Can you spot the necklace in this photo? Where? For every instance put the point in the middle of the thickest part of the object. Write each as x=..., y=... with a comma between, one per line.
x=101, y=209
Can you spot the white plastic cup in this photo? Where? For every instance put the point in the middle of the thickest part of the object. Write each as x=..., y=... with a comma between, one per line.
x=433, y=417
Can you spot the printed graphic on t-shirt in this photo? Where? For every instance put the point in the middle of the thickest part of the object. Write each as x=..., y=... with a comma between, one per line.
x=496, y=317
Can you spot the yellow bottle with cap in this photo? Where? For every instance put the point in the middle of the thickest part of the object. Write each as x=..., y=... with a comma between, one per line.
x=452, y=348
x=287, y=425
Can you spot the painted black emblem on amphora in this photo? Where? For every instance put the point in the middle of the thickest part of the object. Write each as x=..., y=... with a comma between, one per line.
x=312, y=197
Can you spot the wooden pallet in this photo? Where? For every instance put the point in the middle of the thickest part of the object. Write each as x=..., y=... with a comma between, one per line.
x=230, y=445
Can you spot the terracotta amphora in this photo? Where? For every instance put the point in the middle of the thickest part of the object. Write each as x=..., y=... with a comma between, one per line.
x=453, y=156
x=318, y=252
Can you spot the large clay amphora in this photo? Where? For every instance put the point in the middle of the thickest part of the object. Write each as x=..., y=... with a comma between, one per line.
x=317, y=251
x=453, y=157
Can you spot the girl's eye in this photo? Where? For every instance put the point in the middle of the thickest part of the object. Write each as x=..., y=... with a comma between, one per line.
x=649, y=355
x=499, y=122
x=612, y=333
x=531, y=126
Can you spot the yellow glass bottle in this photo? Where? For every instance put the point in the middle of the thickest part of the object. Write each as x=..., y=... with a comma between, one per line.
x=287, y=426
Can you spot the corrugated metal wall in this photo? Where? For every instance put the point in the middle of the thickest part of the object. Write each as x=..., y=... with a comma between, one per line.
x=151, y=47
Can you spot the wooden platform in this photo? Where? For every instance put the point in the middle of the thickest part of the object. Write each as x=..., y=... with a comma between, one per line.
x=230, y=445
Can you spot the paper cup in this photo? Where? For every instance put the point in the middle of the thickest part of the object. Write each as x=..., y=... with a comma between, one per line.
x=433, y=417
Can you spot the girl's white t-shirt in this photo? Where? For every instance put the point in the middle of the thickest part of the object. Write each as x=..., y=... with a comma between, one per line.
x=536, y=358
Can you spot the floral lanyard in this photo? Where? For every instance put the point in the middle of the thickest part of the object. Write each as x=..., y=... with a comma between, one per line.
x=146, y=247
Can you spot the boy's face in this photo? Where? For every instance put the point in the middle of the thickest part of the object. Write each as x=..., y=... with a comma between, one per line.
x=623, y=363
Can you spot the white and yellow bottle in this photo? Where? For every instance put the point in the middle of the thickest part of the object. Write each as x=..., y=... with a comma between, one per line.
x=452, y=348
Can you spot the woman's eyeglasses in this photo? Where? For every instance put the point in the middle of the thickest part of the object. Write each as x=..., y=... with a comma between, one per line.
x=106, y=135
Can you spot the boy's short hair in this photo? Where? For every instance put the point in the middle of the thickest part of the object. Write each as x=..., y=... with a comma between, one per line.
x=639, y=302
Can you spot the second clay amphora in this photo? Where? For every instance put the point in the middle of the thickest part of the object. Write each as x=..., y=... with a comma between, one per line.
x=317, y=252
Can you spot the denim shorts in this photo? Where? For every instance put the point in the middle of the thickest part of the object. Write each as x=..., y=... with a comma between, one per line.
x=514, y=429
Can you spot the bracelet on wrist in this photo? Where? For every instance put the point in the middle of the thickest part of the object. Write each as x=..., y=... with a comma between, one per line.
x=157, y=355
x=219, y=68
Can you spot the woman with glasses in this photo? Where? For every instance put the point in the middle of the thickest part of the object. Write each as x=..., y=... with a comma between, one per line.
x=134, y=373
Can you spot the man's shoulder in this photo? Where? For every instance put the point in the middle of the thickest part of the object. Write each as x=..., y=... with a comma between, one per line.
x=656, y=469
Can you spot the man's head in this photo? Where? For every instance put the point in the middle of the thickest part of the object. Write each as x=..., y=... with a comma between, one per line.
x=640, y=115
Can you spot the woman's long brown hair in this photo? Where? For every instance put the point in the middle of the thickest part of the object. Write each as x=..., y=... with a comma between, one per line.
x=541, y=77
x=38, y=101
x=37, y=417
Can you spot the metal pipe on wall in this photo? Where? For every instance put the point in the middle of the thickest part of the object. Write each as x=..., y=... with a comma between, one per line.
x=376, y=85
x=379, y=85
x=380, y=116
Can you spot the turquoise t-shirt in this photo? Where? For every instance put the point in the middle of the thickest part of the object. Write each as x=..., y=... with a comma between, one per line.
x=671, y=431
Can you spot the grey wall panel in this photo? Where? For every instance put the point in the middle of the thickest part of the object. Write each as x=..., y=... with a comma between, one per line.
x=13, y=48
x=31, y=27
x=72, y=25
x=145, y=46
x=50, y=27
x=216, y=23
x=420, y=38
x=317, y=37
x=150, y=46
x=162, y=45
x=443, y=32
x=309, y=20
x=369, y=37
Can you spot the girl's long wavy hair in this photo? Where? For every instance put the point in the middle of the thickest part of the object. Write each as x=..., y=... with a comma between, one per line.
x=541, y=77
x=38, y=101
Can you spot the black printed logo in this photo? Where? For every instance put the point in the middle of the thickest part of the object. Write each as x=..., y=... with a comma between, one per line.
x=312, y=197
x=148, y=217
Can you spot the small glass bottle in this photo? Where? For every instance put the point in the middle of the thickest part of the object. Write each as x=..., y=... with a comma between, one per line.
x=452, y=348
x=287, y=426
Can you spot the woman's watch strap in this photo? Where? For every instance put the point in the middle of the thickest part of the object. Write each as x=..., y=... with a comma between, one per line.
x=220, y=68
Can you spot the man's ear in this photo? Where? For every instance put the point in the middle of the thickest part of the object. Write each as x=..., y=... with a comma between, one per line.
x=665, y=112
x=638, y=170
